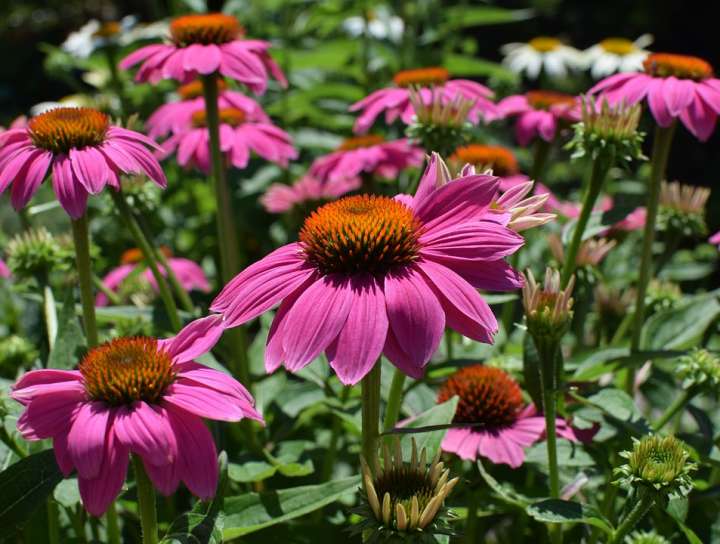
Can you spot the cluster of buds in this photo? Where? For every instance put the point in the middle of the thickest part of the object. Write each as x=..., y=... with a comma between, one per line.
x=16, y=352
x=523, y=212
x=438, y=126
x=645, y=537
x=699, y=369
x=662, y=295
x=658, y=465
x=611, y=131
x=682, y=209
x=404, y=502
x=36, y=253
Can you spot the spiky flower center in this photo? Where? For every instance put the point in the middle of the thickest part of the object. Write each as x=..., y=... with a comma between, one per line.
x=402, y=483
x=194, y=89
x=363, y=233
x=108, y=29
x=544, y=44
x=125, y=370
x=544, y=100
x=499, y=158
x=359, y=142
x=618, y=46
x=680, y=66
x=62, y=129
x=489, y=397
x=421, y=77
x=229, y=116
x=205, y=29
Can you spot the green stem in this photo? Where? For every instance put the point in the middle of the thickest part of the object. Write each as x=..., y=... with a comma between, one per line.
x=600, y=168
x=50, y=312
x=636, y=514
x=678, y=404
x=115, y=81
x=660, y=154
x=112, y=295
x=146, y=503
x=147, y=250
x=111, y=525
x=331, y=454
x=394, y=403
x=472, y=522
x=53, y=521
x=227, y=233
x=370, y=411
x=81, y=236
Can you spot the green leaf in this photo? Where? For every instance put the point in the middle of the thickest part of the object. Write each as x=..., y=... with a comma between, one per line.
x=252, y=471
x=597, y=363
x=677, y=509
x=245, y=514
x=504, y=491
x=439, y=415
x=681, y=327
x=67, y=493
x=70, y=337
x=466, y=16
x=531, y=370
x=560, y=511
x=570, y=454
x=462, y=65
x=25, y=486
x=204, y=523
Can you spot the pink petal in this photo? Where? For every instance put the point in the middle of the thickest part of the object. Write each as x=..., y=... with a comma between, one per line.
x=97, y=493
x=165, y=478
x=90, y=168
x=360, y=342
x=398, y=357
x=40, y=382
x=144, y=431
x=476, y=242
x=49, y=415
x=501, y=450
x=71, y=194
x=316, y=319
x=678, y=94
x=415, y=315
x=62, y=455
x=88, y=437
x=203, y=401
x=657, y=103
x=140, y=55
x=699, y=119
x=195, y=339
x=34, y=174
x=204, y=59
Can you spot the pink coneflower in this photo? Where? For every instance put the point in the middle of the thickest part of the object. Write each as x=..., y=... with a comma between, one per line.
x=281, y=198
x=635, y=220
x=715, y=239
x=519, y=212
x=374, y=275
x=539, y=113
x=675, y=86
x=370, y=154
x=84, y=151
x=135, y=395
x=501, y=160
x=500, y=426
x=429, y=82
x=238, y=137
x=176, y=116
x=4, y=270
x=203, y=44
x=189, y=274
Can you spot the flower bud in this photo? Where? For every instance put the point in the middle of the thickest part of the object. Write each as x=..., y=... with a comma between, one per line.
x=699, y=368
x=34, y=254
x=438, y=126
x=682, y=210
x=645, y=537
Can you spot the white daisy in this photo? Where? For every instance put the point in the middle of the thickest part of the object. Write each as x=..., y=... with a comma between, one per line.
x=93, y=35
x=617, y=55
x=542, y=53
x=381, y=25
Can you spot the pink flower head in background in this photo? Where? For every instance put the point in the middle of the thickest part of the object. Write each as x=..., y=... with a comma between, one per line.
x=281, y=198
x=374, y=275
x=538, y=114
x=4, y=270
x=175, y=117
x=499, y=425
x=83, y=150
x=203, y=44
x=429, y=82
x=369, y=154
x=189, y=274
x=135, y=395
x=675, y=87
x=568, y=208
x=635, y=220
x=715, y=239
x=519, y=212
x=501, y=160
x=238, y=137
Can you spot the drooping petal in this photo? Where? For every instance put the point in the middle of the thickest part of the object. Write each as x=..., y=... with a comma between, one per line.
x=87, y=439
x=34, y=174
x=143, y=430
x=203, y=401
x=195, y=339
x=97, y=493
x=40, y=382
x=71, y=194
x=90, y=168
x=501, y=450
x=360, y=342
x=49, y=415
x=204, y=59
x=62, y=455
x=476, y=241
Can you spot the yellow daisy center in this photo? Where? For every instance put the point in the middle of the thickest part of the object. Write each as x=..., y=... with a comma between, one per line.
x=544, y=44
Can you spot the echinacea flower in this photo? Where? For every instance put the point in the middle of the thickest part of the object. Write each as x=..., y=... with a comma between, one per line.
x=491, y=417
x=539, y=113
x=84, y=151
x=135, y=395
x=239, y=136
x=501, y=160
x=95, y=35
x=281, y=198
x=404, y=498
x=715, y=239
x=617, y=55
x=174, y=117
x=203, y=44
x=4, y=270
x=189, y=274
x=635, y=220
x=590, y=253
x=543, y=53
x=428, y=82
x=374, y=275
x=675, y=87
x=370, y=154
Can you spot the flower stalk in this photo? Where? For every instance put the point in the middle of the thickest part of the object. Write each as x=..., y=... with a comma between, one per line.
x=394, y=403
x=678, y=404
x=146, y=503
x=370, y=386
x=81, y=237
x=638, y=512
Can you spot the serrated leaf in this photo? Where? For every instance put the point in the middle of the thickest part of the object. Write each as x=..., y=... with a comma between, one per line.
x=245, y=514
x=25, y=485
x=560, y=511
